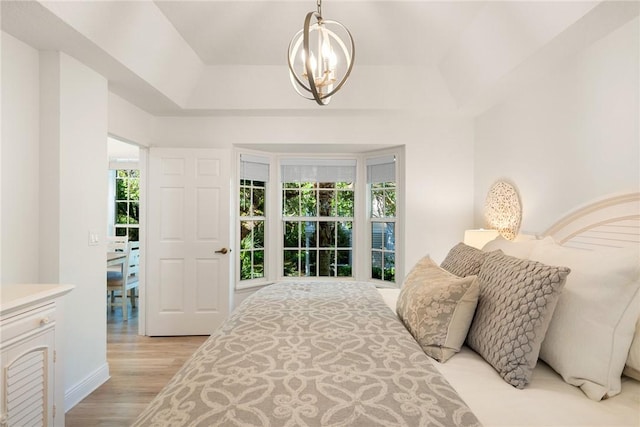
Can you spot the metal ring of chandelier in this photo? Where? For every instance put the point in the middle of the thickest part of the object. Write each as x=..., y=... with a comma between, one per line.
x=318, y=77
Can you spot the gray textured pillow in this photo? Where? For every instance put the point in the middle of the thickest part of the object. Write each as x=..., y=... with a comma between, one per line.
x=437, y=308
x=517, y=300
x=464, y=260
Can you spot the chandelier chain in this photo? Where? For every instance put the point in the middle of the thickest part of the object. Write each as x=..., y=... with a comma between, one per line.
x=319, y=4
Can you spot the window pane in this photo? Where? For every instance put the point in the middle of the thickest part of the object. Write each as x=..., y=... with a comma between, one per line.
x=326, y=263
x=344, y=263
x=246, y=236
x=326, y=203
x=390, y=203
x=245, y=201
x=245, y=265
x=121, y=189
x=258, y=264
x=134, y=235
x=390, y=236
x=326, y=234
x=121, y=231
x=377, y=203
x=258, y=234
x=376, y=265
x=345, y=233
x=134, y=213
x=260, y=184
x=345, y=203
x=121, y=213
x=291, y=203
x=309, y=235
x=308, y=201
x=377, y=235
x=134, y=189
x=308, y=262
x=389, y=267
x=291, y=234
x=290, y=266
x=258, y=202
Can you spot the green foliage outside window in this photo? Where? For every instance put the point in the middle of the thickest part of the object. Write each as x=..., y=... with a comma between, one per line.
x=383, y=212
x=127, y=203
x=318, y=224
x=252, y=224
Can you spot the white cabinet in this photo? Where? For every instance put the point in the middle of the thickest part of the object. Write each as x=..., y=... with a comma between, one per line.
x=31, y=385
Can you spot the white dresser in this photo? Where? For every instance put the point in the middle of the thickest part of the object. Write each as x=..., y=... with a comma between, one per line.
x=31, y=384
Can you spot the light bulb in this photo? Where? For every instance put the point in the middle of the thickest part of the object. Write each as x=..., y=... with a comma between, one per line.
x=314, y=63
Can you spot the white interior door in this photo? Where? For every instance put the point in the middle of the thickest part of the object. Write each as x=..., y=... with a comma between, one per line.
x=188, y=229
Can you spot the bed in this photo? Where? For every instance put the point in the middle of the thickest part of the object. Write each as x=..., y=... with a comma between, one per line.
x=313, y=353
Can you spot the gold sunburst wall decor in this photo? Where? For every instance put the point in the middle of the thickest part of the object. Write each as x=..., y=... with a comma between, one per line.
x=502, y=209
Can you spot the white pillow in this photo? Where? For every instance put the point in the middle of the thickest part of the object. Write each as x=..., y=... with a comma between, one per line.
x=519, y=248
x=632, y=368
x=592, y=328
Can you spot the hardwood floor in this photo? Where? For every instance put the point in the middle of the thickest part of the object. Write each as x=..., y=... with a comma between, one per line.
x=139, y=367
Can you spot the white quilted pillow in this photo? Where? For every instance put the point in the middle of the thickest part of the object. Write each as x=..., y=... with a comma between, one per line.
x=590, y=334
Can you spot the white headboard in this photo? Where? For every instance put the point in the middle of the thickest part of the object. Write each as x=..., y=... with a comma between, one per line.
x=612, y=222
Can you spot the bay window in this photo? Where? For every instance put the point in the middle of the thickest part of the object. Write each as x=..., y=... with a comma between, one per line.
x=337, y=218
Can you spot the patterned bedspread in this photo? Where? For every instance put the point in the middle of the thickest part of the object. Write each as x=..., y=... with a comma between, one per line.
x=309, y=354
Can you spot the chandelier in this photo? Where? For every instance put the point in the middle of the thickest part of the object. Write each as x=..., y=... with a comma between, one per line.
x=319, y=60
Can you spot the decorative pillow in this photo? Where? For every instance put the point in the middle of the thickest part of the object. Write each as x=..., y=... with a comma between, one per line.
x=464, y=260
x=517, y=299
x=592, y=329
x=437, y=307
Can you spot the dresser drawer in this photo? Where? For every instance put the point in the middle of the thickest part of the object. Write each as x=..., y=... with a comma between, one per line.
x=39, y=318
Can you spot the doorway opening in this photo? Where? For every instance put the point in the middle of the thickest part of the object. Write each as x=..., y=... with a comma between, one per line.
x=124, y=299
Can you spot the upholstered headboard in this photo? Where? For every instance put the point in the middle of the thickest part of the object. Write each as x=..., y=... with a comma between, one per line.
x=611, y=222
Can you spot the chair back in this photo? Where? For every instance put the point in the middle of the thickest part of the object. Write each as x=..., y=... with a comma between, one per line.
x=116, y=243
x=131, y=266
x=133, y=261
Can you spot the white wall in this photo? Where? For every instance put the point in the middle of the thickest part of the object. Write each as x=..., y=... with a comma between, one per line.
x=54, y=141
x=571, y=138
x=20, y=164
x=439, y=160
x=129, y=122
x=83, y=195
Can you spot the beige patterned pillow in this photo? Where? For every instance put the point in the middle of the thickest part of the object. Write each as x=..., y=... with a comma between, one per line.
x=517, y=300
x=437, y=308
x=463, y=260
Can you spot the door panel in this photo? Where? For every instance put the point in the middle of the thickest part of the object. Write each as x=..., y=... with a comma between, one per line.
x=188, y=287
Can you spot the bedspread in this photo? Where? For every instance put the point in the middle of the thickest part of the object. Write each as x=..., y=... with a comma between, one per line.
x=309, y=354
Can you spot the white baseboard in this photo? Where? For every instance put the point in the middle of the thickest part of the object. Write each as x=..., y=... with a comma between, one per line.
x=84, y=388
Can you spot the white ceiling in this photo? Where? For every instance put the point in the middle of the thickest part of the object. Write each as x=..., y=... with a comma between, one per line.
x=228, y=57
x=258, y=32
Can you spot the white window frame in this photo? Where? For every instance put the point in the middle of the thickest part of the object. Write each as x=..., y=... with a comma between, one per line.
x=322, y=159
x=398, y=227
x=361, y=235
x=115, y=166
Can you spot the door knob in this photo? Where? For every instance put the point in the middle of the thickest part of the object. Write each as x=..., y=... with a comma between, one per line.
x=222, y=251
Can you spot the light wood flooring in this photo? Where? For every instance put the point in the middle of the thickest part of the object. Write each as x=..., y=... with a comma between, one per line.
x=139, y=367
